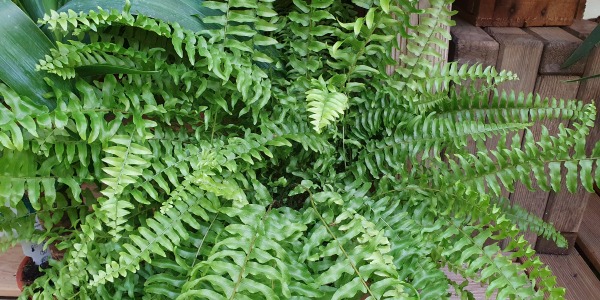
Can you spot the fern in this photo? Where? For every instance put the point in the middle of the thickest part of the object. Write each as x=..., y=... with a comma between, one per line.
x=266, y=153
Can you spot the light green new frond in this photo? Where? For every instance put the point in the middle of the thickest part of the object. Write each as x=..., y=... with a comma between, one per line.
x=124, y=164
x=97, y=58
x=325, y=104
x=164, y=232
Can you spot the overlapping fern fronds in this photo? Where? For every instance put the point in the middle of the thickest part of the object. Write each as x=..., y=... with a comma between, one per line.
x=265, y=153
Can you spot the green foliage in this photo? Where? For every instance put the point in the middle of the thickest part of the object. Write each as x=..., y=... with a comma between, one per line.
x=263, y=151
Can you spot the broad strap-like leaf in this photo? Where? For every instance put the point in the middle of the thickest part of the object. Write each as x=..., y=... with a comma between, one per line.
x=23, y=44
x=188, y=13
x=584, y=49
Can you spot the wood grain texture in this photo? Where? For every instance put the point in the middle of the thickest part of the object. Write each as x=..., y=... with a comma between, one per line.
x=590, y=91
x=471, y=45
x=548, y=86
x=519, y=52
x=402, y=42
x=581, y=28
x=477, y=289
x=573, y=273
x=545, y=246
x=564, y=209
x=588, y=239
x=9, y=261
x=519, y=13
x=558, y=46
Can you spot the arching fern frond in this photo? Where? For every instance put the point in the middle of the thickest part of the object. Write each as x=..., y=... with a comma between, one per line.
x=325, y=104
x=529, y=222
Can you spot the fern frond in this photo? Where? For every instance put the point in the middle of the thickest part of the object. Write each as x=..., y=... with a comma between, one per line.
x=325, y=104
x=503, y=107
x=530, y=222
x=427, y=137
x=510, y=165
x=123, y=169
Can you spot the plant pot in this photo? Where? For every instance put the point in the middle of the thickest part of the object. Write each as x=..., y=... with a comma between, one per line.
x=27, y=272
x=26, y=261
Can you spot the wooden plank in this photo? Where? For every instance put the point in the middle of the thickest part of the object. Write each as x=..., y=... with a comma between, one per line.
x=519, y=52
x=520, y=13
x=547, y=86
x=402, y=42
x=544, y=246
x=564, y=209
x=589, y=92
x=581, y=28
x=471, y=45
x=9, y=261
x=588, y=239
x=558, y=46
x=574, y=274
x=477, y=289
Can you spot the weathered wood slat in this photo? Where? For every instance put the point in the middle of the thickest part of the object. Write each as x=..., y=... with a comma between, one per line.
x=589, y=89
x=402, y=42
x=565, y=210
x=547, y=86
x=520, y=13
x=9, y=261
x=472, y=45
x=588, y=239
x=558, y=46
x=572, y=272
x=519, y=52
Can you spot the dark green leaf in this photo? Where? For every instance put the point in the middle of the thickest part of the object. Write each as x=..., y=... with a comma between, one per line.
x=23, y=45
x=102, y=69
x=188, y=13
x=584, y=49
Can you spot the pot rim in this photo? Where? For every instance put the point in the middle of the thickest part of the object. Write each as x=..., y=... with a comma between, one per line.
x=19, y=275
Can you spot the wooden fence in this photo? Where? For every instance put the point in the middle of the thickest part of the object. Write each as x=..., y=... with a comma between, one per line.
x=535, y=55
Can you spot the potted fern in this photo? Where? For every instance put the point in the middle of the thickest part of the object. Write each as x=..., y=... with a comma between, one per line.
x=253, y=149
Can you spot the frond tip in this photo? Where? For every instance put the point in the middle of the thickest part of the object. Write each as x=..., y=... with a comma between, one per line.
x=325, y=104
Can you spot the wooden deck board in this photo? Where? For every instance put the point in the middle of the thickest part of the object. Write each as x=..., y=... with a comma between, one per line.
x=477, y=289
x=588, y=239
x=9, y=261
x=572, y=272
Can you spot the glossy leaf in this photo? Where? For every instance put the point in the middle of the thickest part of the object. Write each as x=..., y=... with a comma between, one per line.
x=584, y=49
x=23, y=45
x=188, y=13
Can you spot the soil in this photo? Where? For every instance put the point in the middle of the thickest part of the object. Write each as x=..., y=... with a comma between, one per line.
x=31, y=271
